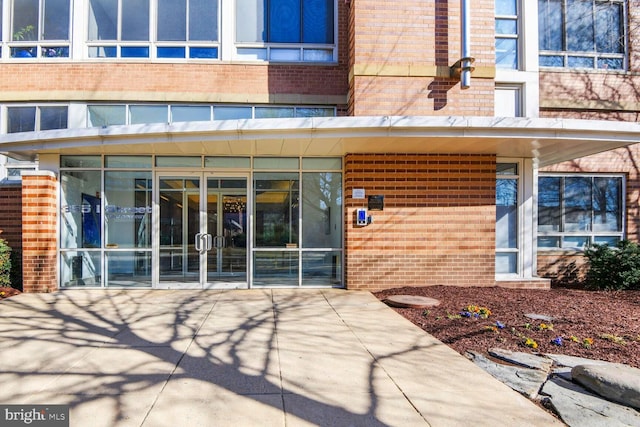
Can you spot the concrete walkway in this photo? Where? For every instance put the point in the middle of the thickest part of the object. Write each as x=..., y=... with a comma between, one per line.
x=241, y=358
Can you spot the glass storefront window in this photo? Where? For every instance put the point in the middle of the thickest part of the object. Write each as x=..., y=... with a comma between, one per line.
x=127, y=209
x=129, y=268
x=275, y=268
x=322, y=268
x=321, y=210
x=276, y=163
x=138, y=162
x=107, y=220
x=322, y=163
x=227, y=162
x=276, y=209
x=80, y=209
x=80, y=161
x=178, y=161
x=80, y=268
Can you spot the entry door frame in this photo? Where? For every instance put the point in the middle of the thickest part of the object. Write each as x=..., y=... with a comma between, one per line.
x=203, y=177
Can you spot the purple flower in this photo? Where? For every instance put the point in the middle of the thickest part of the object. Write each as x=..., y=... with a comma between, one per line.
x=499, y=325
x=465, y=314
x=557, y=341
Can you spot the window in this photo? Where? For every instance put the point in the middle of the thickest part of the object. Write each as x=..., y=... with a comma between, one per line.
x=285, y=30
x=582, y=33
x=107, y=115
x=576, y=210
x=507, y=253
x=508, y=101
x=15, y=167
x=190, y=25
x=40, y=29
x=28, y=119
x=183, y=29
x=507, y=34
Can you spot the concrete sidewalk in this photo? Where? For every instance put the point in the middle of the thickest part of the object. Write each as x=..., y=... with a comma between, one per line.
x=241, y=358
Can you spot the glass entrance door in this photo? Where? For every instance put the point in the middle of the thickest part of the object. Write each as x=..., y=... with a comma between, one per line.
x=227, y=224
x=201, y=232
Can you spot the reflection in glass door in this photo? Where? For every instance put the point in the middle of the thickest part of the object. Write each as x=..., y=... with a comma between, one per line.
x=202, y=231
x=227, y=224
x=179, y=202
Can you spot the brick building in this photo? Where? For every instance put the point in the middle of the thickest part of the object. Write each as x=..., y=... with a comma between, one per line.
x=363, y=144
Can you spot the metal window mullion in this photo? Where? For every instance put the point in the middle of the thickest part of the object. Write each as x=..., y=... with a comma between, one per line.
x=188, y=23
x=103, y=228
x=119, y=26
x=153, y=29
x=40, y=29
x=592, y=210
x=37, y=117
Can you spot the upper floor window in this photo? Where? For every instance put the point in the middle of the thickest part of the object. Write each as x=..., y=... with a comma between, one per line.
x=582, y=33
x=507, y=34
x=108, y=115
x=575, y=211
x=254, y=30
x=40, y=28
x=285, y=30
x=182, y=29
x=33, y=118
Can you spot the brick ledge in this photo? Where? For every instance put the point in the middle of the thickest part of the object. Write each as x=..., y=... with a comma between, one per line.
x=532, y=283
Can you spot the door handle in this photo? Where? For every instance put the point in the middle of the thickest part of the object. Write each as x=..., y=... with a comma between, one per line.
x=219, y=242
x=198, y=242
x=207, y=240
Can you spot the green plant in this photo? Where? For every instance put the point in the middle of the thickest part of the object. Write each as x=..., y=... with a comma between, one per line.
x=614, y=339
x=5, y=263
x=545, y=327
x=25, y=33
x=475, y=311
x=613, y=268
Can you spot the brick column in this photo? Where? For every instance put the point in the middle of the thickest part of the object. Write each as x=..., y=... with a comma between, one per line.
x=39, y=232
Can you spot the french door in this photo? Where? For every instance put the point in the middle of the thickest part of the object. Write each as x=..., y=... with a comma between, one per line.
x=200, y=235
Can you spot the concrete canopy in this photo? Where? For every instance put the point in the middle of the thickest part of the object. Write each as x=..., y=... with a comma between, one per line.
x=547, y=141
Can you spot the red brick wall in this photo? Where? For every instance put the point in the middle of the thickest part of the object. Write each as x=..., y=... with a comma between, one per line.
x=568, y=267
x=39, y=232
x=168, y=82
x=401, y=52
x=437, y=226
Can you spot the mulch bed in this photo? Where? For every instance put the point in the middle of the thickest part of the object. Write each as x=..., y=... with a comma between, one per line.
x=591, y=324
x=6, y=292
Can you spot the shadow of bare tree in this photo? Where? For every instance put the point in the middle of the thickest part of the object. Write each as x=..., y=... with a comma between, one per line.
x=191, y=357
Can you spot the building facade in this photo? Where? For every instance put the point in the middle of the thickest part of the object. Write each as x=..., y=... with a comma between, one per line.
x=362, y=144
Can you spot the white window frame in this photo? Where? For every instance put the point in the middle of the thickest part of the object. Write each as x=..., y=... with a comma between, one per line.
x=590, y=234
x=38, y=107
x=526, y=247
x=39, y=45
x=566, y=54
x=515, y=36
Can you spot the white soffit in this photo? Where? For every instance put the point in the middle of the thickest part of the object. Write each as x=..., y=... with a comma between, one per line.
x=546, y=140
